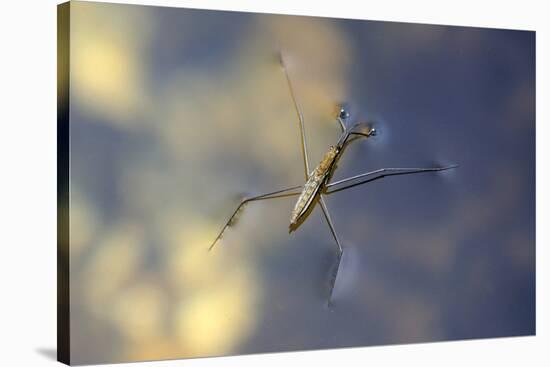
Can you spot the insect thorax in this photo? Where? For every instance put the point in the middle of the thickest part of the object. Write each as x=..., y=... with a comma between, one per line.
x=326, y=163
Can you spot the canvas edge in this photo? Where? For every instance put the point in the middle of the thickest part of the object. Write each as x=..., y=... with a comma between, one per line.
x=63, y=289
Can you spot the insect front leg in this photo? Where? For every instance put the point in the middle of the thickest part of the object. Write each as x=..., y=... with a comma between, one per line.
x=343, y=115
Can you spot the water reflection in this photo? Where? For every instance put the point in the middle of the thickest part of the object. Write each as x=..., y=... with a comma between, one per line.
x=177, y=114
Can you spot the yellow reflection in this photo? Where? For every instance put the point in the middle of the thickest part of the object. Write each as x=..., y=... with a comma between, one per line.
x=139, y=312
x=189, y=264
x=218, y=291
x=154, y=348
x=318, y=53
x=107, y=60
x=114, y=263
x=216, y=319
x=200, y=303
x=105, y=75
x=250, y=107
x=84, y=223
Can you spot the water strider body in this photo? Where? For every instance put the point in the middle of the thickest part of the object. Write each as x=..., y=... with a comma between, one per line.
x=318, y=181
x=320, y=176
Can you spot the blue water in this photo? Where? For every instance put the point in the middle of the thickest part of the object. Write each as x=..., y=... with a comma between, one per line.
x=428, y=257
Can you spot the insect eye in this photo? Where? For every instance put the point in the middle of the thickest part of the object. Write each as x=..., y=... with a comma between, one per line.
x=372, y=131
x=343, y=113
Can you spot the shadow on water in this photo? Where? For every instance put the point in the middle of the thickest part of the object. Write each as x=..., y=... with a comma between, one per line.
x=49, y=353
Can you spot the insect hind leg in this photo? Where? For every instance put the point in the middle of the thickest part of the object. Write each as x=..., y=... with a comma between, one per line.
x=340, y=249
x=303, y=137
x=289, y=191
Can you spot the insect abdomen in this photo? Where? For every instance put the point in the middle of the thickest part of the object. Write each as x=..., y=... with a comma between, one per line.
x=313, y=183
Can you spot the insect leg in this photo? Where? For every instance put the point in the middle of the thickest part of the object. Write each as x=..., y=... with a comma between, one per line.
x=343, y=114
x=379, y=173
x=300, y=118
x=342, y=124
x=340, y=248
x=270, y=195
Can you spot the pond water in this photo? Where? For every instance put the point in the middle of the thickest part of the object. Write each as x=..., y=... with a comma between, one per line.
x=176, y=115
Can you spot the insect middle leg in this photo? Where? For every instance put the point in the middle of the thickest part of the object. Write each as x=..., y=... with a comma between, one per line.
x=348, y=183
x=363, y=178
x=289, y=191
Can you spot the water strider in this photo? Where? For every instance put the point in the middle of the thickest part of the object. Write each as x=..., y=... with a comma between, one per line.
x=318, y=181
